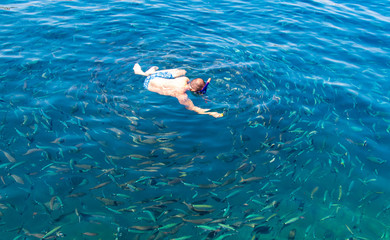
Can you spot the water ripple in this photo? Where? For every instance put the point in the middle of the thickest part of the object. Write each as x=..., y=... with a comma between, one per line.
x=303, y=86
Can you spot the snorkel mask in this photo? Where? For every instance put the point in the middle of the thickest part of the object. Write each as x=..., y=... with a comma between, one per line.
x=204, y=89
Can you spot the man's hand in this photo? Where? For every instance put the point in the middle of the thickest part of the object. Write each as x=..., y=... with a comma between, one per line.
x=215, y=114
x=184, y=100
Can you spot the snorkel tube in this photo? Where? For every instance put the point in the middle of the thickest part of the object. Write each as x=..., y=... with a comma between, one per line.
x=204, y=89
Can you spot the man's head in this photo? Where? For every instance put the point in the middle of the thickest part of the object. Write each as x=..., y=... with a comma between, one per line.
x=197, y=84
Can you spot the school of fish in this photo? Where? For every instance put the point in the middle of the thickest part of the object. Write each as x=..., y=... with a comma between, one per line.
x=93, y=166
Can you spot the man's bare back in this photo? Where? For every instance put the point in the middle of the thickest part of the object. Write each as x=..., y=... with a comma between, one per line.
x=172, y=82
x=170, y=87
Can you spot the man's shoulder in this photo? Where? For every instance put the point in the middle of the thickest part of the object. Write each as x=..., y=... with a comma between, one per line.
x=184, y=78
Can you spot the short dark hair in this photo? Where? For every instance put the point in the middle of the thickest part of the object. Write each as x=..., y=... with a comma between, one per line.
x=197, y=84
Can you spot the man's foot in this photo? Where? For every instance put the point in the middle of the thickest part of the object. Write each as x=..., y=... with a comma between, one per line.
x=151, y=70
x=137, y=69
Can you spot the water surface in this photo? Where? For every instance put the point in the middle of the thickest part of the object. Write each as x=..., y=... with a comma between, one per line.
x=88, y=153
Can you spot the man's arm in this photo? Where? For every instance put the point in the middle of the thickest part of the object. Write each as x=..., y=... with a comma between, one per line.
x=184, y=100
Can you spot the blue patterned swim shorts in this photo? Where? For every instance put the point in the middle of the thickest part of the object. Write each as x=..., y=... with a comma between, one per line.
x=166, y=75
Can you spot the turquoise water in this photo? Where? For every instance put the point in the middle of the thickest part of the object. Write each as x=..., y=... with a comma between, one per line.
x=88, y=153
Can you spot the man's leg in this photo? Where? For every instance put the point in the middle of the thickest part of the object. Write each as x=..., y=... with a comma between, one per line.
x=175, y=72
x=138, y=70
x=151, y=70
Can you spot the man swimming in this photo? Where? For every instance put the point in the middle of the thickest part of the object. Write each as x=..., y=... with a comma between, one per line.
x=172, y=82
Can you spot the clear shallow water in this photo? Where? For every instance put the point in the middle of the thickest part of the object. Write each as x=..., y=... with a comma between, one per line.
x=304, y=87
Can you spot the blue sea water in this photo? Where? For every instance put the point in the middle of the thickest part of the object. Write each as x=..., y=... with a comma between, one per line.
x=302, y=151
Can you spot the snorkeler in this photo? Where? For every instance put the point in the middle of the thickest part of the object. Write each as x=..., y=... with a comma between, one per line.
x=172, y=82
